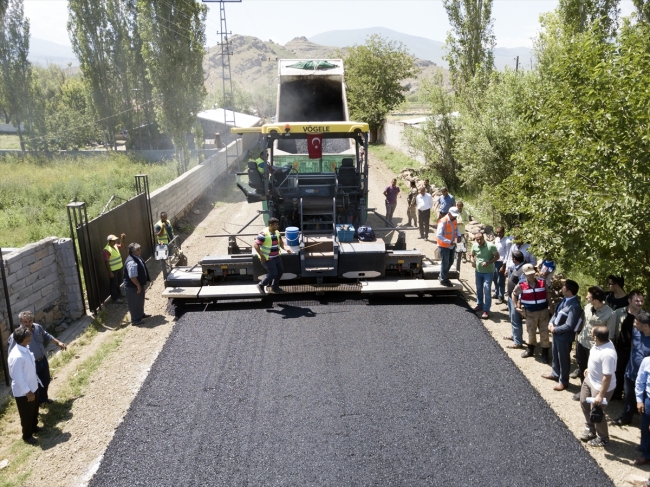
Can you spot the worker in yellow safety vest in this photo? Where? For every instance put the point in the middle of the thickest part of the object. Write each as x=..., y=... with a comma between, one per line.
x=447, y=236
x=267, y=245
x=163, y=230
x=113, y=262
x=261, y=163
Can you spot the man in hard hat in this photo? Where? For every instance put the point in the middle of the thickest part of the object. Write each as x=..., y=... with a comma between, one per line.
x=113, y=262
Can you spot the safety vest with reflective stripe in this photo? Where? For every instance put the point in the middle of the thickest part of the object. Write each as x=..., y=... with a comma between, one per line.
x=449, y=231
x=115, y=261
x=534, y=298
x=259, y=162
x=164, y=238
x=266, y=247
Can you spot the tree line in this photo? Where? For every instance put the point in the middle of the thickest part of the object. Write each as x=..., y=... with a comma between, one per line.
x=562, y=149
x=141, y=70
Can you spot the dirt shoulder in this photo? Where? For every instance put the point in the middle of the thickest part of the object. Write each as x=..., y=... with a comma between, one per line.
x=70, y=451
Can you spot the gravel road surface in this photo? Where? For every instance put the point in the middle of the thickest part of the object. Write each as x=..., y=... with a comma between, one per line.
x=385, y=392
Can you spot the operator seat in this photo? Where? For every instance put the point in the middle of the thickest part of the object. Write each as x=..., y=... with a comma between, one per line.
x=347, y=173
x=254, y=177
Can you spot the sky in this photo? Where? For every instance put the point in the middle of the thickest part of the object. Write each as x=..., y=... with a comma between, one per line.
x=516, y=21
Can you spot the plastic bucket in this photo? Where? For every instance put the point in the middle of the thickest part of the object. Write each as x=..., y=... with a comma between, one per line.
x=293, y=236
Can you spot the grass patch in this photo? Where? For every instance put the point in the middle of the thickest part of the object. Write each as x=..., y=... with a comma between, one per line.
x=394, y=160
x=35, y=190
x=19, y=453
x=9, y=142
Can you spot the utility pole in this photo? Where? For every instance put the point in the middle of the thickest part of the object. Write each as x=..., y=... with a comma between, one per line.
x=517, y=64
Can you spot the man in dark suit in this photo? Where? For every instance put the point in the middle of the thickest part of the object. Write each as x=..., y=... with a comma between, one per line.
x=565, y=323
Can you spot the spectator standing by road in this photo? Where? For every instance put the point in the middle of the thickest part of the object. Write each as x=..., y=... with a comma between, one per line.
x=267, y=246
x=640, y=350
x=135, y=281
x=503, y=244
x=411, y=201
x=516, y=319
x=462, y=220
x=624, y=332
x=599, y=385
x=484, y=255
x=565, y=323
x=427, y=187
x=424, y=203
x=532, y=301
x=163, y=230
x=547, y=269
x=616, y=297
x=597, y=313
x=391, y=193
x=24, y=383
x=518, y=244
x=447, y=235
x=642, y=393
x=113, y=262
x=445, y=202
x=37, y=345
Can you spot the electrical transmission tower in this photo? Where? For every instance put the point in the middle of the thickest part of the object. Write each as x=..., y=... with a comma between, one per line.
x=232, y=154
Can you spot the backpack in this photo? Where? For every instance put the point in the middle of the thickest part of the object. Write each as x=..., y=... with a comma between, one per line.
x=366, y=234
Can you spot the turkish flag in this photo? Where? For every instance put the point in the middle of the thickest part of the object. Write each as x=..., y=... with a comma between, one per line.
x=315, y=146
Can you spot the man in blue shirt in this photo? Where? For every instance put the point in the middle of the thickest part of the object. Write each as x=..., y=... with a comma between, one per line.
x=566, y=321
x=445, y=201
x=640, y=350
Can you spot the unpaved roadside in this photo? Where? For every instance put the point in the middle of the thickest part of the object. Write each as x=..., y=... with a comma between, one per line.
x=67, y=455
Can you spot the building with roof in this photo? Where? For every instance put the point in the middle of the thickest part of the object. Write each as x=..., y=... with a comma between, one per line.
x=216, y=131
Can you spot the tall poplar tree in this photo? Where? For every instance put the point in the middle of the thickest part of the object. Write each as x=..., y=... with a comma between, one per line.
x=15, y=69
x=173, y=46
x=471, y=41
x=580, y=15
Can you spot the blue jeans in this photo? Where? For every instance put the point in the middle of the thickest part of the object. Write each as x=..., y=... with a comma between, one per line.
x=516, y=320
x=499, y=281
x=483, y=288
x=645, y=434
x=446, y=259
x=274, y=269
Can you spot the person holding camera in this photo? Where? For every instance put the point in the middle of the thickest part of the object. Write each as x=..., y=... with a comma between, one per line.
x=598, y=386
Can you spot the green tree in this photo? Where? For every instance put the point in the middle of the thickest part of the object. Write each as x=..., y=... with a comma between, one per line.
x=374, y=76
x=15, y=69
x=471, y=41
x=173, y=35
x=580, y=182
x=580, y=15
x=436, y=139
x=643, y=9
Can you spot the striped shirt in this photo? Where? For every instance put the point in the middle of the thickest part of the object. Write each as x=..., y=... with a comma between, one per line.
x=275, y=249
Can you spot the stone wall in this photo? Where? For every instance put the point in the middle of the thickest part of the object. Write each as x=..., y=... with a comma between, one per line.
x=391, y=134
x=42, y=278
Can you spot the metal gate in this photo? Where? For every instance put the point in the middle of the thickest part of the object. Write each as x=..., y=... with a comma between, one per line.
x=132, y=218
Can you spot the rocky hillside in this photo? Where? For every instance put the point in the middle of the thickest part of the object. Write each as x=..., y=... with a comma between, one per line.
x=253, y=62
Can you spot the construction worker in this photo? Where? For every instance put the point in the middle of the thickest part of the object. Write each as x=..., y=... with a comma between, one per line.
x=267, y=245
x=261, y=163
x=447, y=236
x=113, y=262
x=163, y=230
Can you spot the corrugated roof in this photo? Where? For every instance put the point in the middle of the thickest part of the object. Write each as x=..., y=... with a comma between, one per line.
x=218, y=115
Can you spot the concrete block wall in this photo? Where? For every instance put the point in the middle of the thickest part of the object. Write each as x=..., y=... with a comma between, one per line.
x=392, y=134
x=42, y=277
x=179, y=195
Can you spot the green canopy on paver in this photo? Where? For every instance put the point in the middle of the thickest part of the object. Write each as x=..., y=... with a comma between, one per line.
x=312, y=65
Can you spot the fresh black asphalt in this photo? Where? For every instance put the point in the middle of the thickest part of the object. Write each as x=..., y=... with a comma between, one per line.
x=398, y=392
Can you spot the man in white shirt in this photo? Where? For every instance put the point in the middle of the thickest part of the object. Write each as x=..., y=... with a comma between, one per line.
x=503, y=244
x=424, y=202
x=24, y=383
x=599, y=385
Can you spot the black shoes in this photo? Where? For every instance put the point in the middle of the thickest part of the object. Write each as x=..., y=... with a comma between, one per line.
x=277, y=290
x=261, y=288
x=145, y=316
x=30, y=439
x=446, y=283
x=621, y=422
x=530, y=352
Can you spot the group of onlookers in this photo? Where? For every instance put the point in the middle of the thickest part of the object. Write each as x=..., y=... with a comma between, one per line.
x=611, y=334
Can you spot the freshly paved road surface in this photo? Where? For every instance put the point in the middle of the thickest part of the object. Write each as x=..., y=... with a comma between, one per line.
x=340, y=393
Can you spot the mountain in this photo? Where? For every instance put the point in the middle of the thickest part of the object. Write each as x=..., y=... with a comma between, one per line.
x=420, y=47
x=253, y=62
x=44, y=52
